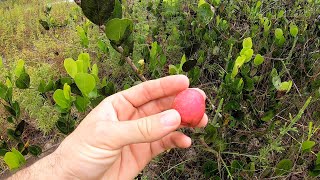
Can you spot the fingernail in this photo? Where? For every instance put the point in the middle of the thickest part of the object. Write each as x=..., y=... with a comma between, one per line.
x=170, y=118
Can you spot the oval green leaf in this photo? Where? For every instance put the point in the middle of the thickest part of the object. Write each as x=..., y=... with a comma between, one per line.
x=82, y=103
x=60, y=99
x=85, y=58
x=283, y=167
x=307, y=146
x=85, y=82
x=294, y=30
x=116, y=29
x=258, y=60
x=98, y=11
x=19, y=68
x=23, y=82
x=247, y=43
x=278, y=33
x=14, y=159
x=71, y=67
x=35, y=150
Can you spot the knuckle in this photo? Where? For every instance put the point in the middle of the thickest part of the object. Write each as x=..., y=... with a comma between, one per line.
x=145, y=128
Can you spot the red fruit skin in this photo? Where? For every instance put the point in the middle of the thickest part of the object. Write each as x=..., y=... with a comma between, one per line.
x=191, y=106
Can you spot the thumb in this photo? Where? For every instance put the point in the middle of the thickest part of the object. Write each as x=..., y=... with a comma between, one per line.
x=147, y=129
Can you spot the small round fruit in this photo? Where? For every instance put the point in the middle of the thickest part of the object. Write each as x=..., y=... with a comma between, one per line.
x=191, y=106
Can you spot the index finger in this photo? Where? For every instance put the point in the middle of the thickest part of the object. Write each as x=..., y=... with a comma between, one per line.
x=155, y=89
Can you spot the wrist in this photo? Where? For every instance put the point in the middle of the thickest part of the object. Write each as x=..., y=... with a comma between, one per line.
x=58, y=167
x=49, y=167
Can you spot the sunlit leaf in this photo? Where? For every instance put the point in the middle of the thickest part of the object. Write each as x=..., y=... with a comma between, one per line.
x=71, y=67
x=85, y=82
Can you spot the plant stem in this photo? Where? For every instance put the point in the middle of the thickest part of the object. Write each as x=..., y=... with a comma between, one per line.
x=292, y=49
x=214, y=121
x=128, y=59
x=295, y=119
x=287, y=60
x=133, y=66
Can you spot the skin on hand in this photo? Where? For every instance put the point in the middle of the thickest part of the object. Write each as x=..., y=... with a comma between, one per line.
x=125, y=131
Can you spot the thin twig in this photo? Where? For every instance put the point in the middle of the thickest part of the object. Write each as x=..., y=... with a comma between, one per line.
x=132, y=65
x=128, y=60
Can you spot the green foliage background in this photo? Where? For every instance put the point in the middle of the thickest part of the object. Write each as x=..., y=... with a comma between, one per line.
x=262, y=122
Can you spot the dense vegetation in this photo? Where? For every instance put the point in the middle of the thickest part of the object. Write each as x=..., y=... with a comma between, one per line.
x=258, y=62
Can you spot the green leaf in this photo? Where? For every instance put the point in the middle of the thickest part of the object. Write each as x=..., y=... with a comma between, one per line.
x=108, y=89
x=307, y=146
x=10, y=119
x=183, y=60
x=216, y=2
x=247, y=43
x=11, y=109
x=126, y=86
x=232, y=106
x=283, y=167
x=85, y=58
x=258, y=60
x=3, y=91
x=60, y=99
x=43, y=87
x=12, y=136
x=281, y=14
x=102, y=46
x=19, y=68
x=195, y=74
x=67, y=91
x=276, y=81
x=285, y=86
x=23, y=82
x=117, y=28
x=1, y=62
x=268, y=116
x=205, y=12
x=35, y=150
x=80, y=66
x=95, y=70
x=117, y=11
x=14, y=159
x=83, y=36
x=71, y=67
x=294, y=30
x=162, y=60
x=8, y=82
x=65, y=126
x=155, y=50
x=128, y=43
x=173, y=70
x=201, y=2
x=249, y=84
x=211, y=134
x=20, y=129
x=82, y=103
x=239, y=62
x=98, y=11
x=3, y=152
x=278, y=33
x=248, y=53
x=85, y=82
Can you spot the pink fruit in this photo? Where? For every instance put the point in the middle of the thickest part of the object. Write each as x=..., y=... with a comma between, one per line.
x=191, y=106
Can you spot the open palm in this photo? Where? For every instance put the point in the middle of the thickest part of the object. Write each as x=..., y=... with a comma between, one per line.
x=122, y=134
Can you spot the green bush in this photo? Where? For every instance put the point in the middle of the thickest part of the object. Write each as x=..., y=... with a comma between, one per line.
x=256, y=60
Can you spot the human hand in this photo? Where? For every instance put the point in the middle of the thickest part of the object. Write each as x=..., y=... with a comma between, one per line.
x=125, y=131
